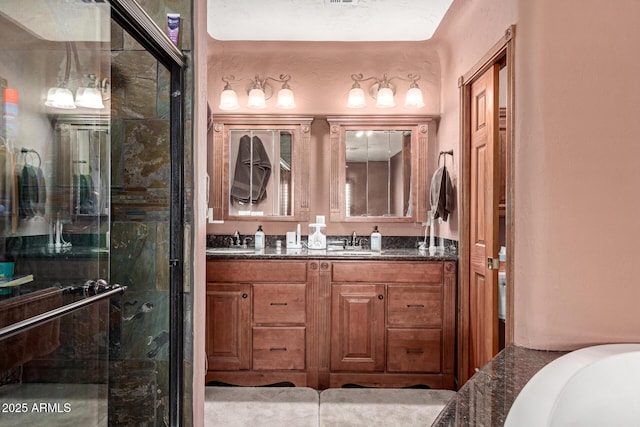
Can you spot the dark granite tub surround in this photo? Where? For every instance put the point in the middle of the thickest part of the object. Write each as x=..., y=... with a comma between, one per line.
x=485, y=400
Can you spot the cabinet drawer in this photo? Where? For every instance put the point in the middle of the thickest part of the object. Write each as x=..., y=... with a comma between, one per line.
x=414, y=305
x=256, y=271
x=278, y=348
x=413, y=350
x=279, y=303
x=387, y=272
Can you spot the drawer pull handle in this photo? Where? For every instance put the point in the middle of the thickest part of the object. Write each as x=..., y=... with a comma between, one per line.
x=415, y=351
x=278, y=303
x=278, y=349
x=245, y=296
x=415, y=305
x=380, y=296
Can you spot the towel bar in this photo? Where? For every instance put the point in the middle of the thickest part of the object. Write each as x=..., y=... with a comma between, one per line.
x=34, y=321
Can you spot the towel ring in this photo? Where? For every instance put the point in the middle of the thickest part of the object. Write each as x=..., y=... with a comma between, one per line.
x=26, y=153
x=445, y=153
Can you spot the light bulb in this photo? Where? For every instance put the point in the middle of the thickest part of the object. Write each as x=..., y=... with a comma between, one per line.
x=285, y=99
x=385, y=98
x=228, y=100
x=356, y=98
x=414, y=98
x=257, y=99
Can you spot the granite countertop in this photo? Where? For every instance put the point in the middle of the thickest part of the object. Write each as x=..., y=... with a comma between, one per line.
x=485, y=400
x=386, y=254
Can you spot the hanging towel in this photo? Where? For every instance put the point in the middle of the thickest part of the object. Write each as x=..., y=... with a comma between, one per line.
x=442, y=197
x=32, y=192
x=253, y=169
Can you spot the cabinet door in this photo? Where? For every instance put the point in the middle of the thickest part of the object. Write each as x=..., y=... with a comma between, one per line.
x=357, y=327
x=228, y=326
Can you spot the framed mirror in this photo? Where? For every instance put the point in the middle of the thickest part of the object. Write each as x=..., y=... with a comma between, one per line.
x=378, y=168
x=260, y=167
x=81, y=175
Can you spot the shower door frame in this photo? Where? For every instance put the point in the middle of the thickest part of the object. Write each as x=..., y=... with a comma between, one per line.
x=135, y=21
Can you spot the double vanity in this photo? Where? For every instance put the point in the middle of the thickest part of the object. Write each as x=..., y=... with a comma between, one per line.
x=323, y=319
x=326, y=318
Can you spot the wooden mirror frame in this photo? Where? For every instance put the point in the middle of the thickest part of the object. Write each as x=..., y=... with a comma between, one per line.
x=419, y=125
x=219, y=191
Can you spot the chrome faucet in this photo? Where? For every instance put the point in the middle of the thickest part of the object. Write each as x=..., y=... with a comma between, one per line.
x=235, y=240
x=354, y=239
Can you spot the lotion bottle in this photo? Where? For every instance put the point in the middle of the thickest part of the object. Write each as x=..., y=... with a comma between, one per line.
x=259, y=238
x=376, y=240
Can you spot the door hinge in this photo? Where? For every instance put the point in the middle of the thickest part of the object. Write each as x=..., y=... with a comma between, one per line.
x=493, y=263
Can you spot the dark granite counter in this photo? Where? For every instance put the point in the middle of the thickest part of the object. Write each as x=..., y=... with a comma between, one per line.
x=386, y=254
x=486, y=398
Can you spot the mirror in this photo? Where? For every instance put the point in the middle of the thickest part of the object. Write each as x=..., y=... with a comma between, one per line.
x=82, y=167
x=260, y=167
x=378, y=173
x=378, y=168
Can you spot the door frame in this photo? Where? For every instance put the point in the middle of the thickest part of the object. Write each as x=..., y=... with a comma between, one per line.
x=502, y=51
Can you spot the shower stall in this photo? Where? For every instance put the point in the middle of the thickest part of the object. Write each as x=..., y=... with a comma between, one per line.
x=91, y=216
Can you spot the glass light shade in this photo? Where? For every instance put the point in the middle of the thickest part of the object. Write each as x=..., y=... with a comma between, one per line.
x=385, y=98
x=60, y=97
x=285, y=99
x=228, y=100
x=89, y=97
x=356, y=98
x=414, y=98
x=256, y=99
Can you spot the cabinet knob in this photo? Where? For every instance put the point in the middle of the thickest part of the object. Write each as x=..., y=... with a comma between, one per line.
x=380, y=296
x=245, y=296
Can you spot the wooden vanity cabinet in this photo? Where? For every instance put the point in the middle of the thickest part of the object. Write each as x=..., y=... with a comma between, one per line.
x=330, y=323
x=256, y=330
x=392, y=324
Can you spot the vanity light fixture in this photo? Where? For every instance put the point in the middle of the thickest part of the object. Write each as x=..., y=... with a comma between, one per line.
x=89, y=96
x=383, y=91
x=259, y=92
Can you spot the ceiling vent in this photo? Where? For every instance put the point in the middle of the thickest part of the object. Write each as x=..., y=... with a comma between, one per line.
x=348, y=2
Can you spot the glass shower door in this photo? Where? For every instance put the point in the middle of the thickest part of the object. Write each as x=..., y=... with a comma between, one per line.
x=55, y=203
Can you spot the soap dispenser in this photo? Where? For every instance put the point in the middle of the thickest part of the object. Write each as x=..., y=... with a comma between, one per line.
x=376, y=240
x=317, y=240
x=259, y=238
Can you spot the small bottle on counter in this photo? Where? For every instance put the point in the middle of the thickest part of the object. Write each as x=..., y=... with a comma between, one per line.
x=259, y=238
x=376, y=240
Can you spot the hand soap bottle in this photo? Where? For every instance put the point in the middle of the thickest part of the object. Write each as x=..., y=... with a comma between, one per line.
x=259, y=238
x=376, y=240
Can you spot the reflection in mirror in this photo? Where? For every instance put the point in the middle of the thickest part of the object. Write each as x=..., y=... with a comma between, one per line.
x=378, y=173
x=88, y=157
x=81, y=180
x=260, y=172
x=259, y=167
x=379, y=168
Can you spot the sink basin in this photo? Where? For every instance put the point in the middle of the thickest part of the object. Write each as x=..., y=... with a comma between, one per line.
x=214, y=251
x=353, y=252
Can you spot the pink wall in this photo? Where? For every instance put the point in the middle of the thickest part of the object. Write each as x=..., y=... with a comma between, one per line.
x=576, y=157
x=576, y=160
x=320, y=78
x=577, y=174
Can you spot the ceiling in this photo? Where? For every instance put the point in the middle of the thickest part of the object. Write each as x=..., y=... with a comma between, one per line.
x=60, y=20
x=325, y=20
